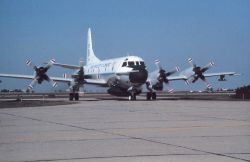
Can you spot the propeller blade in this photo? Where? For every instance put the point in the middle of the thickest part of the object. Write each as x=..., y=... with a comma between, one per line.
x=53, y=83
x=195, y=79
x=32, y=84
x=209, y=86
x=187, y=82
x=208, y=66
x=190, y=61
x=177, y=69
x=158, y=65
x=170, y=90
x=49, y=64
x=30, y=64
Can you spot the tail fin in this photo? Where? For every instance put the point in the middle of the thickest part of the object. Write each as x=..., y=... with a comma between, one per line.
x=91, y=58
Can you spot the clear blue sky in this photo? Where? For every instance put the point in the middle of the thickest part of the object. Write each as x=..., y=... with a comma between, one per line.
x=169, y=30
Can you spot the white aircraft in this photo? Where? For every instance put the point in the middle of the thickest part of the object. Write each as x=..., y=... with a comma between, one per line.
x=123, y=76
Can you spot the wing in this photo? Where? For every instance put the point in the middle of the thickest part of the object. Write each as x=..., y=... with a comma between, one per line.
x=220, y=74
x=63, y=80
x=17, y=76
x=177, y=77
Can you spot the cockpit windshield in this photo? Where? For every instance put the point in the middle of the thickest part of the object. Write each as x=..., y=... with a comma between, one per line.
x=133, y=63
x=124, y=64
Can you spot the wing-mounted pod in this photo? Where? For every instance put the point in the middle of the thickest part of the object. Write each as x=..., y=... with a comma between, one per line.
x=199, y=72
x=41, y=74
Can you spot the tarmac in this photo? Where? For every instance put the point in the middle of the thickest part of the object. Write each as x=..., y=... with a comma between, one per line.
x=121, y=131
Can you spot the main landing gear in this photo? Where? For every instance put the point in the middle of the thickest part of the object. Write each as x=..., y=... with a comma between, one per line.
x=74, y=95
x=151, y=96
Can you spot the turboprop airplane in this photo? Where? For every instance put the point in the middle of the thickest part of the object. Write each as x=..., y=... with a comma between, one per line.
x=123, y=76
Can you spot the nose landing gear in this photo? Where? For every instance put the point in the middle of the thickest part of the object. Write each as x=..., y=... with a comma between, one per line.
x=132, y=93
x=132, y=97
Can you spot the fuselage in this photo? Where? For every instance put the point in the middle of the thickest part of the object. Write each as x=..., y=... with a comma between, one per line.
x=119, y=73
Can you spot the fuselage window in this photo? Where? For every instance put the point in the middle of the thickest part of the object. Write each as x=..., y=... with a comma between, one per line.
x=124, y=64
x=131, y=63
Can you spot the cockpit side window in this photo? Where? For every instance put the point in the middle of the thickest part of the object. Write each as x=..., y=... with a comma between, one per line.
x=142, y=63
x=137, y=62
x=124, y=64
x=131, y=63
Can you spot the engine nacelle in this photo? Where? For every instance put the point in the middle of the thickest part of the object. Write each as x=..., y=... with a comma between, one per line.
x=222, y=78
x=158, y=86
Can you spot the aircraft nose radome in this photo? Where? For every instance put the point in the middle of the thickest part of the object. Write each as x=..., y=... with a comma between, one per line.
x=138, y=77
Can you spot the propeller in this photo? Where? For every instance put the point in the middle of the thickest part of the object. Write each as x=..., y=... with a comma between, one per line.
x=40, y=74
x=163, y=74
x=199, y=72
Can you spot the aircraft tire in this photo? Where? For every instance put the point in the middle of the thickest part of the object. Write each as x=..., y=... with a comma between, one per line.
x=153, y=96
x=132, y=97
x=71, y=96
x=149, y=95
x=76, y=96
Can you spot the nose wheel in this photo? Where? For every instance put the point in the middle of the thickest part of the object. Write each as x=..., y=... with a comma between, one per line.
x=132, y=97
x=132, y=93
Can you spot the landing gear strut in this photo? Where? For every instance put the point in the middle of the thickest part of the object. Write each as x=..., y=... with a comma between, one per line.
x=151, y=95
x=74, y=95
x=132, y=97
x=132, y=93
